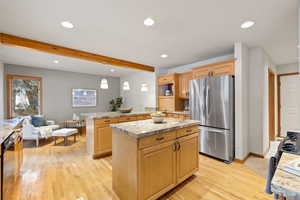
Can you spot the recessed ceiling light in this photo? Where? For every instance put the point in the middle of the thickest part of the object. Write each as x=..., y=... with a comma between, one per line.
x=56, y=61
x=112, y=70
x=247, y=24
x=149, y=22
x=67, y=24
x=164, y=55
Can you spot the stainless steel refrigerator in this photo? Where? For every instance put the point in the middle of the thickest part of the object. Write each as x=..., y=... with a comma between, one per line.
x=212, y=103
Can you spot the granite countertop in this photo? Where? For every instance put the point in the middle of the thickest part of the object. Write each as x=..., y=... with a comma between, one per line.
x=144, y=128
x=284, y=183
x=105, y=115
x=7, y=127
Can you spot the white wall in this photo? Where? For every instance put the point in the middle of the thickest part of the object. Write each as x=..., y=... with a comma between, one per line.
x=135, y=98
x=267, y=64
x=288, y=68
x=241, y=100
x=188, y=67
x=259, y=62
x=1, y=90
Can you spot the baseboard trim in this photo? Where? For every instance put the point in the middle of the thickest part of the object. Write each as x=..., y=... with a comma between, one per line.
x=248, y=155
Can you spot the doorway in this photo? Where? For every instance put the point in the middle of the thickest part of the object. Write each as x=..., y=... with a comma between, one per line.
x=288, y=103
x=271, y=105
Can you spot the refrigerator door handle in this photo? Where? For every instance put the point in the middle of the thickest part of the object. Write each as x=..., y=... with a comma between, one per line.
x=222, y=131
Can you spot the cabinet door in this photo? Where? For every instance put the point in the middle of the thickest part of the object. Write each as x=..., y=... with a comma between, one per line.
x=201, y=72
x=223, y=69
x=184, y=84
x=166, y=104
x=102, y=140
x=187, y=156
x=157, y=170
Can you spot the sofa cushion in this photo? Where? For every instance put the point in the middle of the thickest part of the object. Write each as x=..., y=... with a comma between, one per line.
x=38, y=120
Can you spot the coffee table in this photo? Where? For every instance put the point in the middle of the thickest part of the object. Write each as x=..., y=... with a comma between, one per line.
x=65, y=133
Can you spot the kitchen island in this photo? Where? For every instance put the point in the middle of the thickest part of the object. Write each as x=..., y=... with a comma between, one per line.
x=150, y=159
x=285, y=184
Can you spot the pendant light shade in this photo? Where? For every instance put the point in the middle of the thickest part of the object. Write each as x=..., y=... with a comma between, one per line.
x=104, y=84
x=126, y=85
x=144, y=87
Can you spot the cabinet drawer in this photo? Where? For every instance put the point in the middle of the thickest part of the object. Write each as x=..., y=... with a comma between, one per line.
x=127, y=119
x=187, y=131
x=105, y=122
x=157, y=139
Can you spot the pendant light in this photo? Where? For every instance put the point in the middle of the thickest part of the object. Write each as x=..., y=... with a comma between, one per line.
x=144, y=87
x=126, y=85
x=104, y=84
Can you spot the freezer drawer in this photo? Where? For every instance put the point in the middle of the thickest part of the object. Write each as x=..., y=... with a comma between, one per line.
x=218, y=143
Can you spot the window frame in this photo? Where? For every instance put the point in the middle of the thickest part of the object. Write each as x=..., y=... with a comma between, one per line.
x=9, y=88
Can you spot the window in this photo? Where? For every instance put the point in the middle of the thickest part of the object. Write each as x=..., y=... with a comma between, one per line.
x=24, y=95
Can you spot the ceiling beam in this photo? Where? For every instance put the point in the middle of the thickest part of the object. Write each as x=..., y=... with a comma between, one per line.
x=16, y=41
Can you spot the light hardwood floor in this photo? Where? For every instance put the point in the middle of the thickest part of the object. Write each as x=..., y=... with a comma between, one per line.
x=66, y=173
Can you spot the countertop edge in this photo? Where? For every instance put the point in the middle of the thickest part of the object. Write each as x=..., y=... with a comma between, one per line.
x=150, y=133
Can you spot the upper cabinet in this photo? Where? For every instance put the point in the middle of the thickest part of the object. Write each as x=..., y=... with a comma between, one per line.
x=174, y=88
x=184, y=84
x=216, y=69
x=166, y=79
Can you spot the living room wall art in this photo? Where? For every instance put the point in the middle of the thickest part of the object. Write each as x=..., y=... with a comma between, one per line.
x=84, y=98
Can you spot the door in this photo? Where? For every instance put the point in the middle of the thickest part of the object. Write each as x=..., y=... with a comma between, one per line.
x=158, y=170
x=289, y=101
x=197, y=100
x=187, y=156
x=218, y=143
x=219, y=102
x=103, y=140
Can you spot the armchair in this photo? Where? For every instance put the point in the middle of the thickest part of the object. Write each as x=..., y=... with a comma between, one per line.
x=36, y=133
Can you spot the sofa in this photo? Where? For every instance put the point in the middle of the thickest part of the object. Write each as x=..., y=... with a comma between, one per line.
x=30, y=132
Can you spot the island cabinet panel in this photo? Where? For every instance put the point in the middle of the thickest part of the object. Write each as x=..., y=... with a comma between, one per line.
x=148, y=167
x=157, y=170
x=187, y=157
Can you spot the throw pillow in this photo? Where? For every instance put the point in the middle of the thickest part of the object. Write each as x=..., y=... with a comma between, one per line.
x=38, y=120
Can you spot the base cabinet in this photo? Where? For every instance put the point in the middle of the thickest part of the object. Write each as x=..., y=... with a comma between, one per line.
x=99, y=133
x=103, y=140
x=149, y=172
x=158, y=170
x=187, y=157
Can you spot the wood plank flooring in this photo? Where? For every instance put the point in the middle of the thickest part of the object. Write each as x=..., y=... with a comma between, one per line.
x=66, y=173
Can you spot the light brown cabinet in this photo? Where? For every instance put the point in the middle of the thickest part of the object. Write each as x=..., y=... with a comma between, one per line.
x=166, y=79
x=103, y=140
x=99, y=134
x=187, y=157
x=216, y=69
x=166, y=103
x=155, y=164
x=158, y=166
x=184, y=84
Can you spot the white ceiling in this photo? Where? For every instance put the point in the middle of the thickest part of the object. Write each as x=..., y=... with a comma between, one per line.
x=26, y=57
x=187, y=31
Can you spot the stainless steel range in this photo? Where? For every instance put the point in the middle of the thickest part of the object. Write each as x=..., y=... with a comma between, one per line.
x=212, y=103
